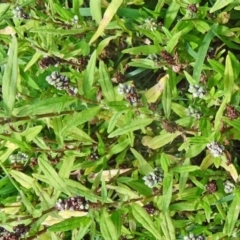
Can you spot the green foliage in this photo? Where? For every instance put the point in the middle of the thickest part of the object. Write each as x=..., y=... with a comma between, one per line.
x=119, y=119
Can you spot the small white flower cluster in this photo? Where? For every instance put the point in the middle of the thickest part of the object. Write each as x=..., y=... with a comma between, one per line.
x=149, y=24
x=19, y=13
x=61, y=82
x=197, y=91
x=75, y=20
x=228, y=187
x=215, y=149
x=153, y=178
x=72, y=204
x=191, y=236
x=129, y=92
x=193, y=112
x=19, y=157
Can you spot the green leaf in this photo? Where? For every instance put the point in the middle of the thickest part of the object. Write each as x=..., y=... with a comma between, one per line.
x=49, y=105
x=234, y=123
x=143, y=50
x=167, y=99
x=219, y=114
x=167, y=192
x=26, y=202
x=202, y=26
x=69, y=224
x=140, y=187
x=144, y=63
x=220, y=4
x=33, y=60
x=206, y=162
x=78, y=189
x=167, y=226
x=57, y=126
x=88, y=78
x=143, y=164
x=104, y=43
x=113, y=120
x=202, y=51
x=3, y=9
x=173, y=41
x=143, y=218
x=107, y=227
x=96, y=11
x=10, y=76
x=133, y=126
x=153, y=93
x=61, y=32
x=228, y=75
x=66, y=168
x=117, y=220
x=52, y=176
x=185, y=169
x=31, y=133
x=183, y=176
x=22, y=178
x=161, y=140
x=189, y=78
x=105, y=83
x=232, y=216
x=119, y=147
x=107, y=17
x=77, y=119
x=171, y=14
x=194, y=150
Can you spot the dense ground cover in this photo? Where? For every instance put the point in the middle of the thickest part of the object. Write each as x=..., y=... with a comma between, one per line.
x=119, y=119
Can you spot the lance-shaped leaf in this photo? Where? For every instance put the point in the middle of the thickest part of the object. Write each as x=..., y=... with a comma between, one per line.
x=79, y=118
x=167, y=226
x=154, y=92
x=88, y=78
x=69, y=224
x=107, y=227
x=105, y=82
x=107, y=17
x=160, y=140
x=143, y=218
x=133, y=126
x=9, y=81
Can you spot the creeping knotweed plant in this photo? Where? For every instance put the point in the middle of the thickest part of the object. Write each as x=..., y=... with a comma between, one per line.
x=19, y=13
x=19, y=232
x=197, y=91
x=228, y=187
x=193, y=112
x=211, y=187
x=215, y=149
x=149, y=24
x=47, y=61
x=72, y=91
x=75, y=20
x=19, y=157
x=130, y=93
x=59, y=81
x=154, y=178
x=73, y=204
x=191, y=236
